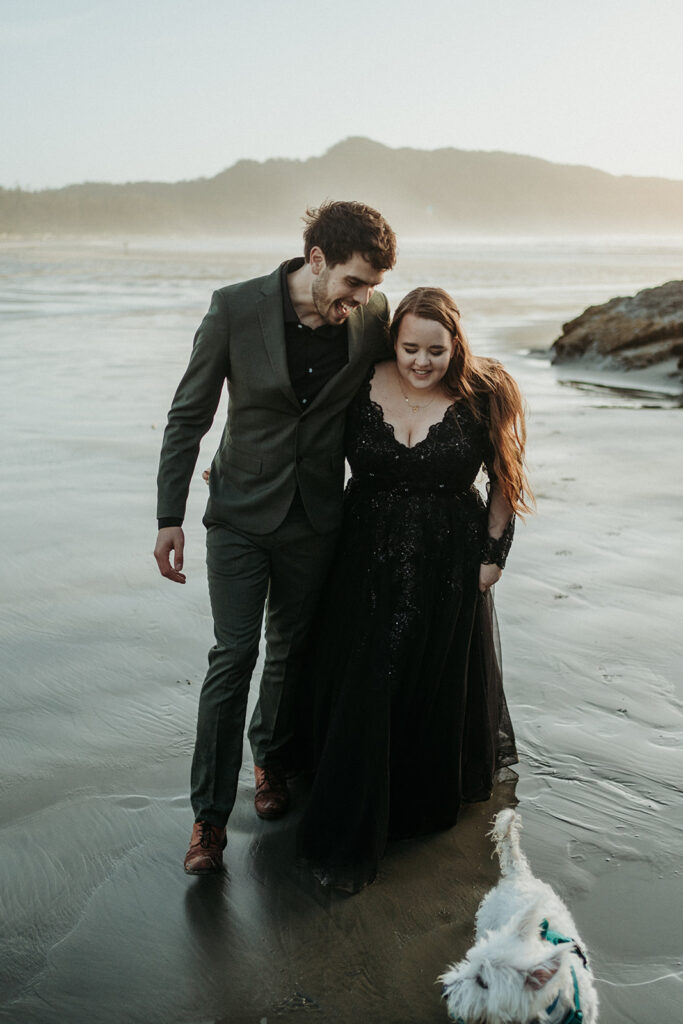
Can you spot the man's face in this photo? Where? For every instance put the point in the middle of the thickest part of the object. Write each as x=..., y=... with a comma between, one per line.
x=338, y=290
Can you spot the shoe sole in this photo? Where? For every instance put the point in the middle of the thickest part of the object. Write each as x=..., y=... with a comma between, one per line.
x=271, y=815
x=204, y=871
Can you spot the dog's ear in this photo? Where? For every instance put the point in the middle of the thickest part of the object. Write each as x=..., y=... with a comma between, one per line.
x=528, y=921
x=538, y=977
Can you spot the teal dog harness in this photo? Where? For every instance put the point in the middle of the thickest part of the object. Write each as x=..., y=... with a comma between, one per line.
x=574, y=1014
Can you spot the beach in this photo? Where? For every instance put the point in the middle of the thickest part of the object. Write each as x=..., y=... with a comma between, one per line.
x=103, y=661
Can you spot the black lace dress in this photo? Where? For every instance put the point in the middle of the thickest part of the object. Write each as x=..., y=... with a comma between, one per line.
x=409, y=713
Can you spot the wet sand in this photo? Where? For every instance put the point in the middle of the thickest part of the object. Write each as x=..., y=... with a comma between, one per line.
x=102, y=663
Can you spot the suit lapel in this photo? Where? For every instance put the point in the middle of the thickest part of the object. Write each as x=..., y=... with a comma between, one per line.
x=355, y=334
x=269, y=308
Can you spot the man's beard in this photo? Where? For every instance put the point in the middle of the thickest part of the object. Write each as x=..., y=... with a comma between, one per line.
x=320, y=294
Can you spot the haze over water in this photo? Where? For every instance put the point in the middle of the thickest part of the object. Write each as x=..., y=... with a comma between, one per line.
x=103, y=660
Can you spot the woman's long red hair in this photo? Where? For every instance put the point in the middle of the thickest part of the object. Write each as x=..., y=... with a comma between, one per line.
x=485, y=385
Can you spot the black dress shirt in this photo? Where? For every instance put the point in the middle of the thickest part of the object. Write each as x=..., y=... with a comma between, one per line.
x=314, y=354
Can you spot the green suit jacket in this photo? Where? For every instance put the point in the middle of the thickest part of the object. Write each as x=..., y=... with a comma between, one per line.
x=269, y=445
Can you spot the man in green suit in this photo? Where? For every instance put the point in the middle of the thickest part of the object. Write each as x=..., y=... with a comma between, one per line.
x=294, y=347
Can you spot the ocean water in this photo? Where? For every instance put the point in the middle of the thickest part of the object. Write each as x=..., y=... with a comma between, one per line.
x=102, y=660
x=519, y=280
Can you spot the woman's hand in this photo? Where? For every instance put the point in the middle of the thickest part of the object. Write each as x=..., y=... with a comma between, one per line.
x=488, y=575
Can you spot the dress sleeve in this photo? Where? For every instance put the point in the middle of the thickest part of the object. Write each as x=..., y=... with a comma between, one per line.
x=499, y=518
x=496, y=549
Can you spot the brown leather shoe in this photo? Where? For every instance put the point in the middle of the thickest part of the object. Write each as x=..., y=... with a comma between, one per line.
x=205, y=855
x=272, y=796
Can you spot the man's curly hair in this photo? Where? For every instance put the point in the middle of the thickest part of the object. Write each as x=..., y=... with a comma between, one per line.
x=342, y=229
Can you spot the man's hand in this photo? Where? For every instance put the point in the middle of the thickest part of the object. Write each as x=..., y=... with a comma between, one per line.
x=170, y=539
x=488, y=575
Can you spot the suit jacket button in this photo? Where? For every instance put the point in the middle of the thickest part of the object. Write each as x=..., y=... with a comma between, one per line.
x=299, y=459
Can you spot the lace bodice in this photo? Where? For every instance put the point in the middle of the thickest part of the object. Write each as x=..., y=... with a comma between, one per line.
x=449, y=458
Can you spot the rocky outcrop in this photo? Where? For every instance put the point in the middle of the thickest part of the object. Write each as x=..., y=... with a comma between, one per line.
x=632, y=332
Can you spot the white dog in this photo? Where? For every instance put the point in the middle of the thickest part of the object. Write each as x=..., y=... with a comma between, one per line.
x=528, y=962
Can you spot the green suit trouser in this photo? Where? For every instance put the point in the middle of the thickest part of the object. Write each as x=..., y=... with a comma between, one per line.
x=282, y=573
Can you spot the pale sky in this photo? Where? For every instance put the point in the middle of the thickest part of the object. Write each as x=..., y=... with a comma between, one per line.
x=164, y=90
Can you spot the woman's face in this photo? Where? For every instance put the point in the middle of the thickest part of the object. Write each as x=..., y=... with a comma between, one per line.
x=423, y=351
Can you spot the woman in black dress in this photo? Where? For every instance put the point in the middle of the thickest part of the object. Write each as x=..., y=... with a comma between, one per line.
x=410, y=715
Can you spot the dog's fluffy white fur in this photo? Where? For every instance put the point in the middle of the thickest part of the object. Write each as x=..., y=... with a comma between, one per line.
x=512, y=975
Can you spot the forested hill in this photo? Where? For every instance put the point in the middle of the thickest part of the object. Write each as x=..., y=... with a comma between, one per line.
x=421, y=192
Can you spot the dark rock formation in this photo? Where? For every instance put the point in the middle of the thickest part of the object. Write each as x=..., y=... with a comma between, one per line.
x=632, y=332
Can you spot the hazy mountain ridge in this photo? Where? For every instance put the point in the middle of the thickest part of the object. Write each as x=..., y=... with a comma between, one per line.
x=421, y=192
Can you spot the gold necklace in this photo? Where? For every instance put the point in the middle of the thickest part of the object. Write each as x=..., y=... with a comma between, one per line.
x=413, y=407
